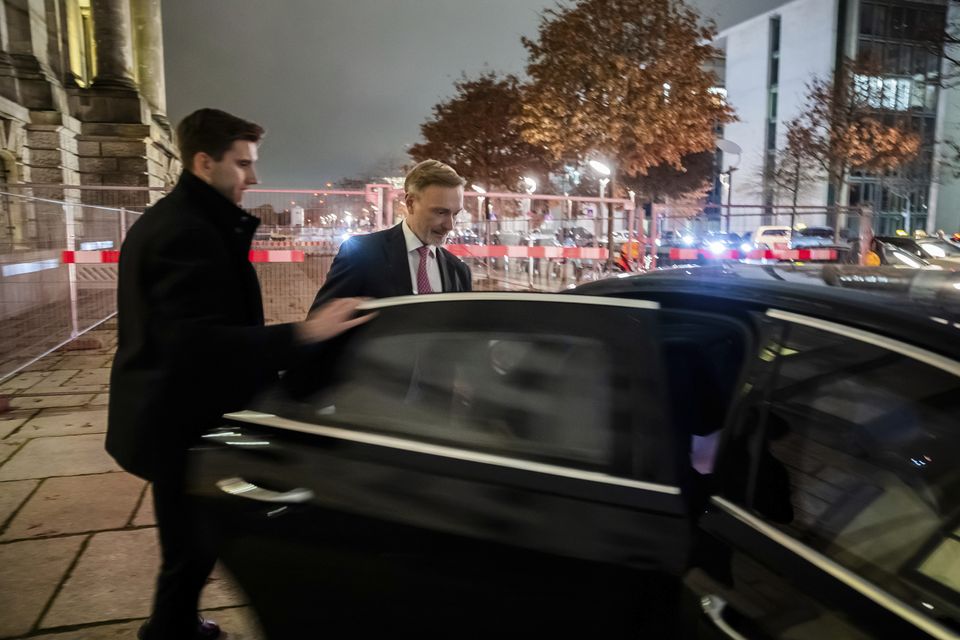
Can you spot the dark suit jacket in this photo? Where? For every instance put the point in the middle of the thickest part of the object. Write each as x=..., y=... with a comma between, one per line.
x=192, y=345
x=376, y=266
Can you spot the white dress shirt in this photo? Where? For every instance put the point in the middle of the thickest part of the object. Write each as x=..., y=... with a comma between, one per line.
x=413, y=257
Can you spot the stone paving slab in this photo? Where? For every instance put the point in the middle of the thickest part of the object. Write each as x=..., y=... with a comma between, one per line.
x=23, y=381
x=44, y=364
x=59, y=456
x=84, y=362
x=12, y=495
x=77, y=505
x=101, y=399
x=10, y=422
x=99, y=376
x=79, y=388
x=238, y=623
x=6, y=450
x=145, y=516
x=62, y=422
x=93, y=593
x=53, y=380
x=43, y=402
x=121, y=631
x=30, y=571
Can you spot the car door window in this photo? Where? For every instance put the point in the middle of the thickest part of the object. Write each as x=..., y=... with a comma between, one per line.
x=863, y=459
x=510, y=392
x=551, y=382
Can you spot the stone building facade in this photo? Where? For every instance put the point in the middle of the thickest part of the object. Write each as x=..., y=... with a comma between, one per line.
x=82, y=97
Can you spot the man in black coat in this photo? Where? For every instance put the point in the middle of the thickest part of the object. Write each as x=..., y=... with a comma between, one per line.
x=193, y=345
x=408, y=258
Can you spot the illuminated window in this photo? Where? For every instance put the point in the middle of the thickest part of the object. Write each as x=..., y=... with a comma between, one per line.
x=82, y=47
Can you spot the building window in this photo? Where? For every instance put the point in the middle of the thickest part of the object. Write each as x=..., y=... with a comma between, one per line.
x=898, y=79
x=81, y=43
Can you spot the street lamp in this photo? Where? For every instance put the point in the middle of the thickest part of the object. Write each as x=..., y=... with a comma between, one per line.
x=480, y=199
x=482, y=210
x=600, y=167
x=731, y=148
x=530, y=185
x=603, y=170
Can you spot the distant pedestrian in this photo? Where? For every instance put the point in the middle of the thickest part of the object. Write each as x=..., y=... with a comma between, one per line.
x=407, y=258
x=193, y=345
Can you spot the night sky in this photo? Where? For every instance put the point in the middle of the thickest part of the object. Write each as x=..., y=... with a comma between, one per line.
x=343, y=85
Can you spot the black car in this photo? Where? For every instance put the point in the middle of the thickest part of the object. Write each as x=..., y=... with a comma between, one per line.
x=730, y=452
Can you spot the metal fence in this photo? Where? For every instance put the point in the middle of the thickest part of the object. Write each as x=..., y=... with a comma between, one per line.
x=57, y=273
x=59, y=246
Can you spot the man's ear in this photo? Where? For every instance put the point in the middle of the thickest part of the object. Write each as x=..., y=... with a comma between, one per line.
x=408, y=200
x=203, y=164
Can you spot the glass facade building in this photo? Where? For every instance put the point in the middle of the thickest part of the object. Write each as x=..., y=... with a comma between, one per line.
x=899, y=71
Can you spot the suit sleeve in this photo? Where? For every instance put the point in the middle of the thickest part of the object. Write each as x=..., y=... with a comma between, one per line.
x=230, y=360
x=345, y=278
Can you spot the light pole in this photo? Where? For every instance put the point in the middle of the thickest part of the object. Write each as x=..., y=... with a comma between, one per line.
x=530, y=186
x=482, y=210
x=731, y=148
x=604, y=171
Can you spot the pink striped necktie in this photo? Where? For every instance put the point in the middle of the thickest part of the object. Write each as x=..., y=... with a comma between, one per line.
x=423, y=280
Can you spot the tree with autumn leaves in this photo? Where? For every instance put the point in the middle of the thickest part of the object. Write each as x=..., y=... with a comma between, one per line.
x=623, y=81
x=847, y=124
x=477, y=132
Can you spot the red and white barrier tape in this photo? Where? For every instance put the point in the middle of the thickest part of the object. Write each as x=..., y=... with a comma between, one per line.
x=677, y=253
x=501, y=251
x=792, y=254
x=106, y=257
x=90, y=257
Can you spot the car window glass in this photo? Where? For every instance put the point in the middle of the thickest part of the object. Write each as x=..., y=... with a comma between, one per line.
x=863, y=461
x=520, y=394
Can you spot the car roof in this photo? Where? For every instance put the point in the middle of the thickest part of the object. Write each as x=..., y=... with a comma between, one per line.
x=920, y=307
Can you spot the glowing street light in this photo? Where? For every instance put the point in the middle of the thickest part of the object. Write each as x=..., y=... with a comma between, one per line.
x=599, y=167
x=481, y=209
x=529, y=184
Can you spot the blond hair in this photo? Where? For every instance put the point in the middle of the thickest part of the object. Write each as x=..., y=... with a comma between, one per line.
x=429, y=173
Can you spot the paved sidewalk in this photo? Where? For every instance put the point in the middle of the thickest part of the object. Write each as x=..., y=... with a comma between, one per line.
x=78, y=544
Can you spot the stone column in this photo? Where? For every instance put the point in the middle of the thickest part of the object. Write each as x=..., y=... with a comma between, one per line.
x=111, y=30
x=148, y=30
x=8, y=74
x=27, y=41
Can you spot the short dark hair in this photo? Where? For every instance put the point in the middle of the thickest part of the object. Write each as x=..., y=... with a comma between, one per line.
x=213, y=132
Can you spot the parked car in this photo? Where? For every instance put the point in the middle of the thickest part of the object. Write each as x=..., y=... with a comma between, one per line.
x=934, y=250
x=719, y=243
x=888, y=255
x=772, y=237
x=702, y=452
x=816, y=237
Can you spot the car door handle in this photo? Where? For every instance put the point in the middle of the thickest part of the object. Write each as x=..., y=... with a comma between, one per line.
x=713, y=606
x=244, y=489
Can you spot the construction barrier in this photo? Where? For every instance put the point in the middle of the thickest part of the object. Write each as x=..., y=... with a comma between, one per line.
x=108, y=257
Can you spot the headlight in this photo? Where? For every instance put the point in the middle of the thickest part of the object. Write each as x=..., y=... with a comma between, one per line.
x=688, y=240
x=746, y=247
x=716, y=248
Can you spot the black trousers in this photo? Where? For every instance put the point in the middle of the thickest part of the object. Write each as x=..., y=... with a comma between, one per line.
x=188, y=557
